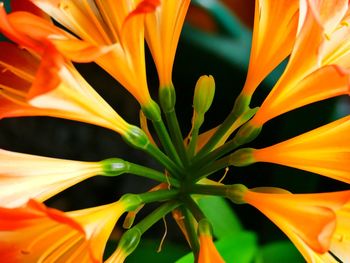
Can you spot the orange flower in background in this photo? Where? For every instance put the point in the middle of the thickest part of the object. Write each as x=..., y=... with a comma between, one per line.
x=324, y=151
x=112, y=37
x=311, y=75
x=51, y=87
x=35, y=233
x=270, y=44
x=19, y=182
x=163, y=28
x=244, y=10
x=208, y=252
x=309, y=220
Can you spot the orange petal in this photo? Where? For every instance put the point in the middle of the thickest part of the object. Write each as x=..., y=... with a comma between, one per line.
x=144, y=7
x=78, y=50
x=271, y=44
x=36, y=233
x=305, y=61
x=163, y=28
x=323, y=151
x=10, y=32
x=296, y=215
x=208, y=252
x=18, y=61
x=323, y=83
x=47, y=77
x=27, y=6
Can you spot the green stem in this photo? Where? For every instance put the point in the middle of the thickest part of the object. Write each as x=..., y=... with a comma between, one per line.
x=193, y=142
x=191, y=231
x=218, y=190
x=157, y=154
x=212, y=156
x=155, y=216
x=152, y=174
x=213, y=141
x=176, y=135
x=165, y=140
x=233, y=192
x=194, y=208
x=157, y=196
x=239, y=115
x=116, y=166
x=214, y=167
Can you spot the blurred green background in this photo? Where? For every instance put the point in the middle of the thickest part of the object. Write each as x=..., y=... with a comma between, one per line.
x=215, y=40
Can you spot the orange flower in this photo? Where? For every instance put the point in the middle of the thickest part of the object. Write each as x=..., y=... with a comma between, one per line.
x=35, y=233
x=110, y=34
x=309, y=220
x=20, y=182
x=317, y=68
x=208, y=252
x=271, y=44
x=51, y=87
x=163, y=28
x=323, y=151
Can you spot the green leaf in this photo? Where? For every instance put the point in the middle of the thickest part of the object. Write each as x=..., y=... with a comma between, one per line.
x=239, y=248
x=221, y=216
x=281, y=251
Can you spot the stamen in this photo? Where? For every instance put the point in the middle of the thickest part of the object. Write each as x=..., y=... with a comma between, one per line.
x=164, y=236
x=223, y=177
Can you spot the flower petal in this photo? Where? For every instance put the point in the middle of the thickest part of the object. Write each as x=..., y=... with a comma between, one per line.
x=271, y=44
x=324, y=151
x=295, y=215
x=18, y=182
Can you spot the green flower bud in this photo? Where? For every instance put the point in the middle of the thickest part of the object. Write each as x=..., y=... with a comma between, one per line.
x=136, y=137
x=127, y=244
x=247, y=133
x=167, y=98
x=152, y=111
x=236, y=193
x=204, y=94
x=114, y=166
x=205, y=228
x=242, y=157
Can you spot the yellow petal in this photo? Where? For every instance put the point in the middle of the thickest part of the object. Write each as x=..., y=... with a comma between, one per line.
x=19, y=182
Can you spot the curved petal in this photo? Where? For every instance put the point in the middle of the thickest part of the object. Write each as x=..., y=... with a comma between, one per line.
x=111, y=35
x=57, y=90
x=271, y=44
x=326, y=82
x=35, y=233
x=325, y=151
x=163, y=28
x=295, y=216
x=305, y=57
x=27, y=6
x=207, y=251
